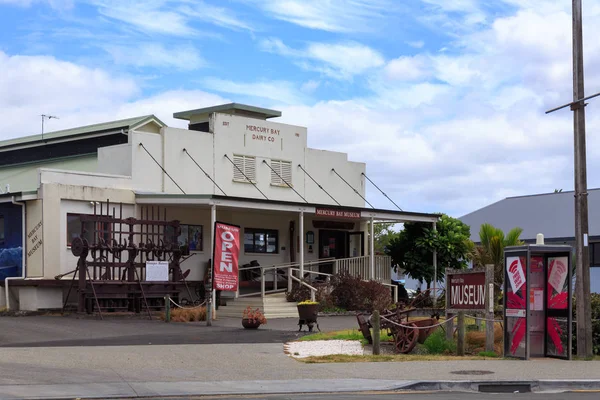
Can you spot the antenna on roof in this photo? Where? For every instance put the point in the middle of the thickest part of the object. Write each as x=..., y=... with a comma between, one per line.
x=44, y=116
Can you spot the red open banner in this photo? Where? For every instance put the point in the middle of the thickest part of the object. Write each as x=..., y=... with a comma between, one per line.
x=226, y=255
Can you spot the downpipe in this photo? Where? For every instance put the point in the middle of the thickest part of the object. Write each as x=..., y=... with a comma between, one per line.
x=23, y=263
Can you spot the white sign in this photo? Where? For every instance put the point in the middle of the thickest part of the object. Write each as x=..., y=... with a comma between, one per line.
x=515, y=313
x=515, y=273
x=157, y=271
x=558, y=272
x=536, y=300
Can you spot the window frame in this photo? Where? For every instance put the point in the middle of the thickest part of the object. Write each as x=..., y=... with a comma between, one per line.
x=276, y=180
x=245, y=166
x=107, y=228
x=267, y=233
x=2, y=229
x=594, y=247
x=185, y=234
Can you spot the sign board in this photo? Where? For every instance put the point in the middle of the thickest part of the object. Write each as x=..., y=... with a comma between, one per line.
x=558, y=272
x=226, y=257
x=328, y=212
x=516, y=273
x=157, y=271
x=466, y=290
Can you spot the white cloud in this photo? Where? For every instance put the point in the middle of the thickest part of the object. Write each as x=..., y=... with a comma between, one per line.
x=278, y=91
x=310, y=86
x=336, y=60
x=156, y=55
x=55, y=4
x=330, y=15
x=78, y=95
x=408, y=68
x=165, y=17
x=449, y=132
x=219, y=16
x=416, y=44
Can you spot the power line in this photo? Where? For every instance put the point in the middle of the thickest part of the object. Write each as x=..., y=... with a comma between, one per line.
x=355, y=191
x=245, y=176
x=208, y=176
x=280, y=177
x=365, y=175
x=160, y=166
x=317, y=183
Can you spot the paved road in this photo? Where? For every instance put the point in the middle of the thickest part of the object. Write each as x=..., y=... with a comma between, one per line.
x=411, y=396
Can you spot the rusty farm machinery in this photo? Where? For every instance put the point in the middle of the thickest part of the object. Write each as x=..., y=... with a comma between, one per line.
x=112, y=252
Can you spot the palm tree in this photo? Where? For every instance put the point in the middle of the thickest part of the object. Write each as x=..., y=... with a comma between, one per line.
x=491, y=250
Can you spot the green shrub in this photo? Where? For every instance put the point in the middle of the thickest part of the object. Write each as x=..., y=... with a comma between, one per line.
x=595, y=304
x=437, y=343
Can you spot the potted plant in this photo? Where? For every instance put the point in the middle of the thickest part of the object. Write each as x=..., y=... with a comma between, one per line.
x=307, y=312
x=252, y=319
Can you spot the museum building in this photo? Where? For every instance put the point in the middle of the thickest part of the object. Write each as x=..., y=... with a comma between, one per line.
x=302, y=212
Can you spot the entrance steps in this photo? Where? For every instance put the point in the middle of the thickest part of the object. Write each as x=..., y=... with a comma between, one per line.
x=273, y=306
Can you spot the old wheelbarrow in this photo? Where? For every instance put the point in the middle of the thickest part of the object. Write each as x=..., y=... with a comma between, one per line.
x=406, y=333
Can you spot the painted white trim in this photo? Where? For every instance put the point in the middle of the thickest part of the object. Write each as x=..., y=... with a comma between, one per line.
x=93, y=174
x=174, y=200
x=399, y=218
x=263, y=206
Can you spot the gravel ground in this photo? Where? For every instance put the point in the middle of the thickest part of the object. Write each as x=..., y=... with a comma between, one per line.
x=323, y=348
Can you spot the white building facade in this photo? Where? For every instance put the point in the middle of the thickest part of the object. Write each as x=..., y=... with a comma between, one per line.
x=298, y=208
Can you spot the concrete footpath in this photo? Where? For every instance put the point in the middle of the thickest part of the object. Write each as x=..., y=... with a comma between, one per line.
x=54, y=357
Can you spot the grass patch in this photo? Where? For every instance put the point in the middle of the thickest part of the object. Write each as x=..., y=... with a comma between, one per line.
x=347, y=334
x=490, y=354
x=342, y=358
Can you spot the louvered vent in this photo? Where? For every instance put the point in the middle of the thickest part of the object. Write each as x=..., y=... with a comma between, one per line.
x=284, y=169
x=245, y=164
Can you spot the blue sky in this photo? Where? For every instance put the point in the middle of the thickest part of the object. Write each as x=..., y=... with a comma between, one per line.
x=443, y=99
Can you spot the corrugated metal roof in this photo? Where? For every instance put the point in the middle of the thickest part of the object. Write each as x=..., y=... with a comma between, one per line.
x=552, y=214
x=129, y=123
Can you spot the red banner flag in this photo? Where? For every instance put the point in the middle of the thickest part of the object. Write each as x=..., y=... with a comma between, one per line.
x=225, y=255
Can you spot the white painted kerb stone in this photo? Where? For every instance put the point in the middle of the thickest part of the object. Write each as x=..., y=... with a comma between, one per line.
x=324, y=348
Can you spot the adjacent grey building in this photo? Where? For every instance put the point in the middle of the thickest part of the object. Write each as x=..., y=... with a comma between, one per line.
x=552, y=214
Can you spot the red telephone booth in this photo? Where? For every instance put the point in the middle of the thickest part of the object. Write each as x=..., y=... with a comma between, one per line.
x=538, y=301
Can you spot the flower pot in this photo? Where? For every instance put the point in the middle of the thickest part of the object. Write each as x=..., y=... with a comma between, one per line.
x=308, y=312
x=250, y=324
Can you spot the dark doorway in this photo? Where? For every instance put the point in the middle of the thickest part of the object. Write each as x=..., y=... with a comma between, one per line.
x=332, y=244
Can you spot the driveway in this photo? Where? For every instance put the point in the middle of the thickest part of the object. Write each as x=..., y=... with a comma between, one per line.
x=73, y=330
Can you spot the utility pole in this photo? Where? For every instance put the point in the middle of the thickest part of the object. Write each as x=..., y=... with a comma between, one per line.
x=582, y=285
x=582, y=253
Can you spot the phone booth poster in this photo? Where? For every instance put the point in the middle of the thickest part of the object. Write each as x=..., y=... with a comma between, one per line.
x=558, y=292
x=516, y=303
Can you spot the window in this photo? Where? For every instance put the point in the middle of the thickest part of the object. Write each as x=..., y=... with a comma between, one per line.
x=284, y=169
x=102, y=229
x=595, y=254
x=191, y=235
x=1, y=228
x=245, y=164
x=261, y=241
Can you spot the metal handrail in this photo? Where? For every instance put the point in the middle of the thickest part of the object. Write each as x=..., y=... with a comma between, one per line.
x=313, y=290
x=312, y=272
x=286, y=265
